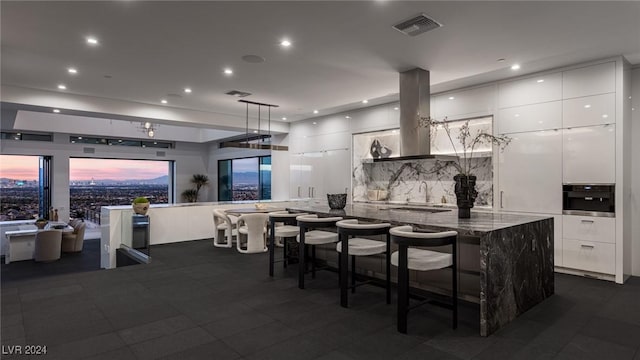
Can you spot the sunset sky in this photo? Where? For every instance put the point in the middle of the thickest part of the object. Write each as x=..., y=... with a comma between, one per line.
x=26, y=168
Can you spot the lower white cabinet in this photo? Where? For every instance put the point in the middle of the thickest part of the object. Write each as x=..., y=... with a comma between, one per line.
x=589, y=256
x=589, y=228
x=589, y=243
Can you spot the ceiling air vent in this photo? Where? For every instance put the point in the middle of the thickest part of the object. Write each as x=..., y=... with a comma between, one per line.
x=417, y=25
x=237, y=93
x=89, y=150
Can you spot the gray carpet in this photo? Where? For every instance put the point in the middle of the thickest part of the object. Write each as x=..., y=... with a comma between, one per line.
x=199, y=302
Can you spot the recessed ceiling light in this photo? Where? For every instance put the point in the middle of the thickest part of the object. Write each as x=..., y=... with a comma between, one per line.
x=587, y=106
x=347, y=117
x=163, y=101
x=541, y=81
x=284, y=118
x=604, y=116
x=515, y=67
x=394, y=131
x=517, y=115
x=255, y=131
x=187, y=90
x=56, y=110
x=315, y=123
x=72, y=70
x=92, y=40
x=396, y=108
x=79, y=137
x=72, y=141
x=315, y=111
x=62, y=87
x=365, y=101
x=228, y=71
x=451, y=97
x=285, y=43
x=119, y=140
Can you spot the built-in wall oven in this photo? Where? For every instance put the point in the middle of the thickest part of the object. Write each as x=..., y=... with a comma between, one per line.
x=588, y=199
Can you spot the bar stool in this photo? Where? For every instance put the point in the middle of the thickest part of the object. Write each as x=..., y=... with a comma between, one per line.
x=409, y=258
x=285, y=231
x=360, y=247
x=307, y=224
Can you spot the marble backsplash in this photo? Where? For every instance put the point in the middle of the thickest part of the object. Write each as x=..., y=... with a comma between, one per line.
x=419, y=181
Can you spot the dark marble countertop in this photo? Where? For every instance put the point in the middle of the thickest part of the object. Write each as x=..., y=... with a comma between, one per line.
x=440, y=218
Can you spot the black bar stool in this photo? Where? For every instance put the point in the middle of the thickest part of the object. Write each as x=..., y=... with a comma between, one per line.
x=307, y=224
x=287, y=230
x=360, y=247
x=409, y=258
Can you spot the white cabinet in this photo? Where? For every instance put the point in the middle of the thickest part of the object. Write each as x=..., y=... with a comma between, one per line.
x=589, y=256
x=530, y=173
x=589, y=110
x=315, y=174
x=544, y=116
x=589, y=243
x=589, y=228
x=531, y=90
x=589, y=155
x=589, y=80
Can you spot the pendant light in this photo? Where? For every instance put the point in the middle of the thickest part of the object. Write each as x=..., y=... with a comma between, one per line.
x=257, y=140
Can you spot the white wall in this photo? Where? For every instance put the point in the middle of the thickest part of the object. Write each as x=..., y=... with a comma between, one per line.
x=635, y=170
x=189, y=159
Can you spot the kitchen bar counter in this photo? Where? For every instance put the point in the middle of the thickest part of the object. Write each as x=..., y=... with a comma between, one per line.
x=506, y=260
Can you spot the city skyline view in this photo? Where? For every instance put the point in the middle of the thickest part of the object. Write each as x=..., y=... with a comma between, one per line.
x=18, y=167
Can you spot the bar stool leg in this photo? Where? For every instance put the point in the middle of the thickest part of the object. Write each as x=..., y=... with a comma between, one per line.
x=301, y=260
x=454, y=272
x=313, y=261
x=388, y=268
x=403, y=289
x=285, y=260
x=353, y=274
x=344, y=270
x=272, y=245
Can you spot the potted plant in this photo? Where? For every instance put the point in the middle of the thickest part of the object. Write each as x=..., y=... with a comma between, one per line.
x=41, y=223
x=464, y=146
x=140, y=205
x=199, y=180
x=190, y=195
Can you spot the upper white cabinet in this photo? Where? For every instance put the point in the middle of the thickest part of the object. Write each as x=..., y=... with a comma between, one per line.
x=530, y=173
x=589, y=110
x=589, y=80
x=531, y=90
x=464, y=104
x=589, y=154
x=535, y=117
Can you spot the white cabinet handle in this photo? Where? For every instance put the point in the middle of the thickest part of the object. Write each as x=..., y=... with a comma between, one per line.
x=298, y=191
x=309, y=191
x=587, y=221
x=587, y=246
x=501, y=193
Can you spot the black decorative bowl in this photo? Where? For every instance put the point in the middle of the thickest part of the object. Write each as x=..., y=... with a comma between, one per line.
x=337, y=201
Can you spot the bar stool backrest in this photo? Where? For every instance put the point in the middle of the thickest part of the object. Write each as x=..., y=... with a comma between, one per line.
x=405, y=234
x=354, y=227
x=285, y=217
x=314, y=221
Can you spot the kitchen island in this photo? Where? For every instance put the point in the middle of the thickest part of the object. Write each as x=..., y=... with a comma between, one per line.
x=505, y=260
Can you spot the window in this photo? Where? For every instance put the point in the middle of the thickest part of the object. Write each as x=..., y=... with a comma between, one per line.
x=244, y=179
x=24, y=187
x=94, y=183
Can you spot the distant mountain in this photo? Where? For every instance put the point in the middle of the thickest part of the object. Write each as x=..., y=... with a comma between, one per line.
x=161, y=180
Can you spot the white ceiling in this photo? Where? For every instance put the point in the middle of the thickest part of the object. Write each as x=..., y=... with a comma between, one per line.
x=342, y=53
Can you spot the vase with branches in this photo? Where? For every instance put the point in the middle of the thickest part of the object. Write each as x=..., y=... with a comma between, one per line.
x=465, y=145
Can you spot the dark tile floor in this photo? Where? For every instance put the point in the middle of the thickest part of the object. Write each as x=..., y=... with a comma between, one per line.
x=199, y=302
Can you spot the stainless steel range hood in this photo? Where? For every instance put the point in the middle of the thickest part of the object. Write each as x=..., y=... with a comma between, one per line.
x=414, y=103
